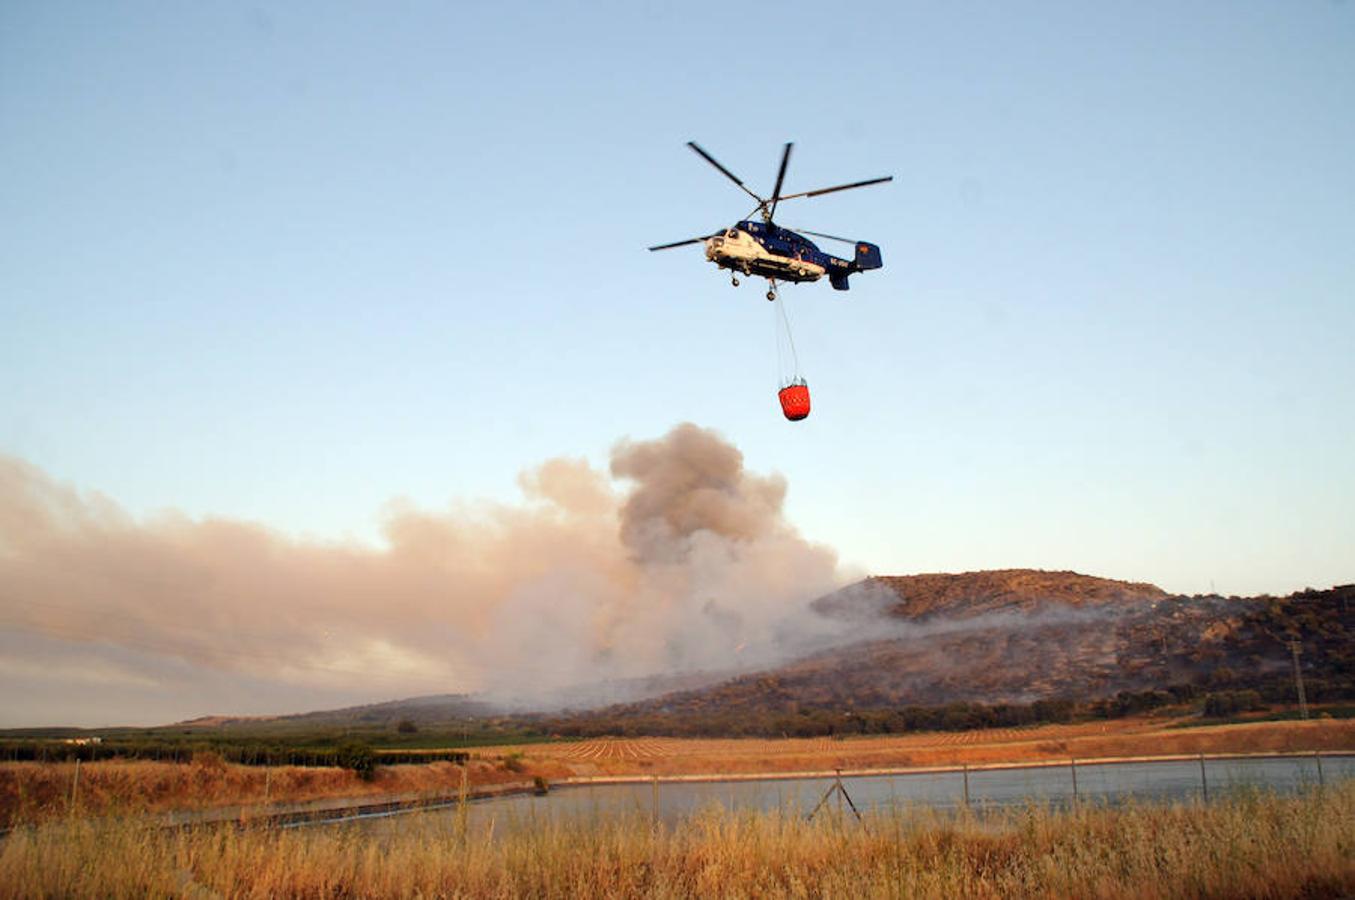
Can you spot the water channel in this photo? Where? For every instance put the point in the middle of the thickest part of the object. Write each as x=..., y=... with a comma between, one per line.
x=1104, y=783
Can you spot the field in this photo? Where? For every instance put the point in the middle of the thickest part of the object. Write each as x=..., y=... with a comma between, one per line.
x=1090, y=740
x=42, y=791
x=1248, y=844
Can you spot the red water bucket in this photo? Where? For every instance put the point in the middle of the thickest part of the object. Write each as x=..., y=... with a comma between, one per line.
x=794, y=401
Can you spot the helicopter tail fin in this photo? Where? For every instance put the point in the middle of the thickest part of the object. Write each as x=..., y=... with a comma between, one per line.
x=838, y=280
x=867, y=257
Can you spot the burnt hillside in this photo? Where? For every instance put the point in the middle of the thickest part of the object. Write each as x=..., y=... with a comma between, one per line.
x=1021, y=637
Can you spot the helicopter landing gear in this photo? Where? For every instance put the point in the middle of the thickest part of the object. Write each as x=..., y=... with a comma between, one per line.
x=771, y=289
x=734, y=280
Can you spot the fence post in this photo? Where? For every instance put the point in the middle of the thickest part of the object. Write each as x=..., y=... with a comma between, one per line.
x=966, y=785
x=654, y=800
x=1072, y=764
x=1317, y=756
x=1204, y=781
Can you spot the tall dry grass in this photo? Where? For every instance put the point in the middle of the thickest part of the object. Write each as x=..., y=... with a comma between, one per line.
x=1250, y=844
x=34, y=792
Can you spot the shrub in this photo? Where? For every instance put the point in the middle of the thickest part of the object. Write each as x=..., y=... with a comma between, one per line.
x=1227, y=703
x=360, y=758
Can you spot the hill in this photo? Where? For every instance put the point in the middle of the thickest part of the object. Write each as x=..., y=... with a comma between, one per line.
x=1018, y=638
x=1032, y=645
x=918, y=597
x=432, y=710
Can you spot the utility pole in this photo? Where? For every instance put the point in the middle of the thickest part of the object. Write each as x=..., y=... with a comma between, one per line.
x=1295, y=649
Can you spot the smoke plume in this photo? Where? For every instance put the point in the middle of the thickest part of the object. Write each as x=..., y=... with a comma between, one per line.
x=675, y=559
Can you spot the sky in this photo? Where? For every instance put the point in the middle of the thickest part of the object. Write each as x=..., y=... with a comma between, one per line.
x=306, y=270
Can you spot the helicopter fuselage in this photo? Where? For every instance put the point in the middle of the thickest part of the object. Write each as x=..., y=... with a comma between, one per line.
x=763, y=249
x=752, y=248
x=770, y=251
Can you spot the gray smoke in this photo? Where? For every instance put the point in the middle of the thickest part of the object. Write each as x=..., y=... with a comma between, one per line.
x=677, y=559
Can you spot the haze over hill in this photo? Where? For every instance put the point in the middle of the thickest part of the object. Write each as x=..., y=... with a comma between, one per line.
x=674, y=570
x=1008, y=636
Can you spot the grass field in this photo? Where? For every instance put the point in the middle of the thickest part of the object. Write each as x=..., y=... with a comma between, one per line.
x=1247, y=844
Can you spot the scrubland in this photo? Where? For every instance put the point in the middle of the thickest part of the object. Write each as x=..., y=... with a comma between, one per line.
x=1248, y=844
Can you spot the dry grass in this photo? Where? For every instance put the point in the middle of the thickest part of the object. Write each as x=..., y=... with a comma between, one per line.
x=1247, y=845
x=40, y=791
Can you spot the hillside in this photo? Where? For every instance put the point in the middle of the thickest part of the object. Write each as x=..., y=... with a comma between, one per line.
x=1006, y=637
x=435, y=710
x=1021, y=637
x=973, y=593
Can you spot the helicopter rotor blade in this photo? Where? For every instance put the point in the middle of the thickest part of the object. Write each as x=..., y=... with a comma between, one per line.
x=728, y=174
x=695, y=240
x=780, y=179
x=831, y=237
x=840, y=187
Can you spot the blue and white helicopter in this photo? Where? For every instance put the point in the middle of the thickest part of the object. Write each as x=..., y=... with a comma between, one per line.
x=771, y=251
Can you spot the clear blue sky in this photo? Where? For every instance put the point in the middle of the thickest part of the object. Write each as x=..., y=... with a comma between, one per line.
x=287, y=262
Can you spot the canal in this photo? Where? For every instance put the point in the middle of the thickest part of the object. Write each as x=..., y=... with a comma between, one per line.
x=1062, y=785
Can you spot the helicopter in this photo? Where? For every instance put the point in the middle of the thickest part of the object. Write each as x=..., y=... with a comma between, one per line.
x=767, y=250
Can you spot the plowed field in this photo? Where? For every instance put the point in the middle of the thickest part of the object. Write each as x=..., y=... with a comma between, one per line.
x=1137, y=737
